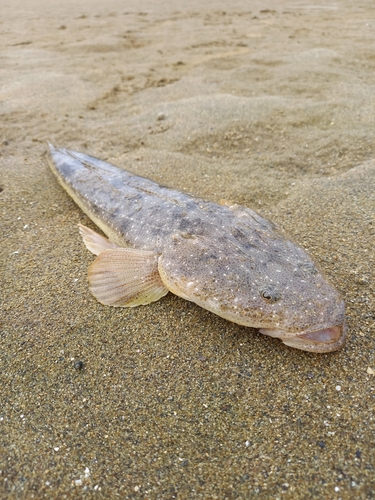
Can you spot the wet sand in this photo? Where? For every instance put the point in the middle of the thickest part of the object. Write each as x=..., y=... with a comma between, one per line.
x=268, y=106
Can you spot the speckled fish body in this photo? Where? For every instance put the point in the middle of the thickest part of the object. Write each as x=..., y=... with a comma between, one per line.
x=227, y=259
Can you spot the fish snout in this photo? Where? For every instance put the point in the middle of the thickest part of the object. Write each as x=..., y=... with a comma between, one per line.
x=323, y=340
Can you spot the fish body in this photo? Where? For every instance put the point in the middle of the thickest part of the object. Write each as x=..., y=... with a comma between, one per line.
x=227, y=259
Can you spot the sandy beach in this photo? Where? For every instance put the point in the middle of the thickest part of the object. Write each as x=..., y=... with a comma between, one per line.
x=269, y=105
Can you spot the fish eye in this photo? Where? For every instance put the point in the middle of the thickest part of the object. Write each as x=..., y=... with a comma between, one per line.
x=308, y=267
x=270, y=295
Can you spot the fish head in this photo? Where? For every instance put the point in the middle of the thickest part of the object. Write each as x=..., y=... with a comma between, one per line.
x=267, y=282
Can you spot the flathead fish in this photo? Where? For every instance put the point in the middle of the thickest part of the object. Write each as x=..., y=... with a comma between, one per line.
x=227, y=259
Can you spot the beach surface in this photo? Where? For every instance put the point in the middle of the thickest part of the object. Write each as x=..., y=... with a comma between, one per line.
x=269, y=105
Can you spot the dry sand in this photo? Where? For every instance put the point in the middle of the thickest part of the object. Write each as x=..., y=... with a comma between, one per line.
x=267, y=104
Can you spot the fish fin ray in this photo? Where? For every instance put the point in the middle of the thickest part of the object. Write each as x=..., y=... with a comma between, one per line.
x=126, y=277
x=94, y=241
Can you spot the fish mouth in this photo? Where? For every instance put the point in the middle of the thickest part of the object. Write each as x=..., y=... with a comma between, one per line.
x=327, y=339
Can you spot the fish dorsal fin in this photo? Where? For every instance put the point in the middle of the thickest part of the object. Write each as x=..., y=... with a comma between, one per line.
x=126, y=277
x=94, y=241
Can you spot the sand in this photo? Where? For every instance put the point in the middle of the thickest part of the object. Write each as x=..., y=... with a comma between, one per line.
x=270, y=105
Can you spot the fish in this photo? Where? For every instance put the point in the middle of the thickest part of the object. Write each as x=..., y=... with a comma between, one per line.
x=224, y=257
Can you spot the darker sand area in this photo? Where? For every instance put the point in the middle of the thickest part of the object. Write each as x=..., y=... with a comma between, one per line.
x=267, y=104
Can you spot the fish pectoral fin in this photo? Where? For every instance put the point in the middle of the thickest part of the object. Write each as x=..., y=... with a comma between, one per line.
x=126, y=277
x=94, y=241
